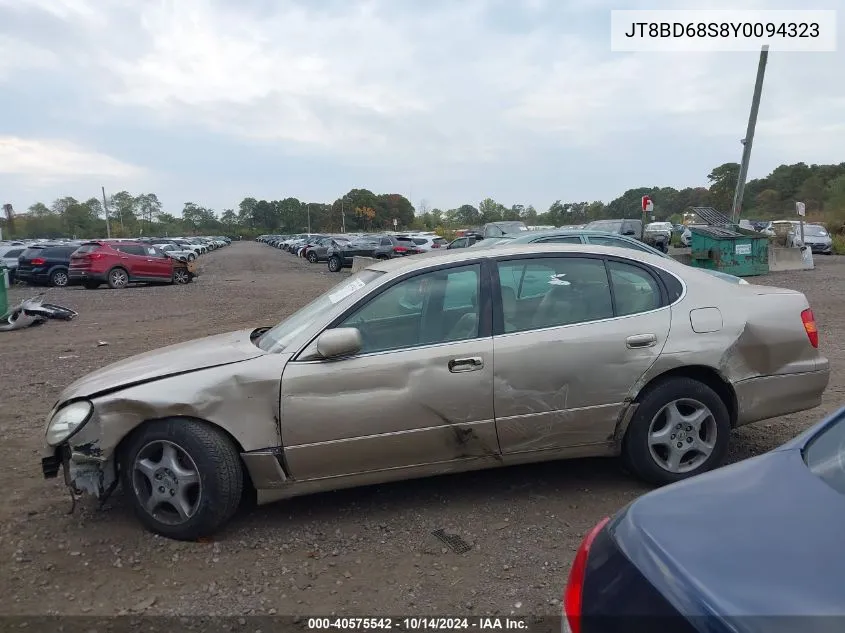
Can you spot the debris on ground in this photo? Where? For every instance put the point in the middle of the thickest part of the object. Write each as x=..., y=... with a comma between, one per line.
x=34, y=312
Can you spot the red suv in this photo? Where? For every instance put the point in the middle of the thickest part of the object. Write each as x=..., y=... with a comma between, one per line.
x=121, y=263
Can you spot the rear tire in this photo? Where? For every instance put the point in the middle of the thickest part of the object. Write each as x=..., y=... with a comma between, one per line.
x=186, y=460
x=118, y=278
x=335, y=265
x=59, y=279
x=672, y=412
x=312, y=257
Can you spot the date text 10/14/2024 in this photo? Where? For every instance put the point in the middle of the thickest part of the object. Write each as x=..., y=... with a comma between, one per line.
x=479, y=623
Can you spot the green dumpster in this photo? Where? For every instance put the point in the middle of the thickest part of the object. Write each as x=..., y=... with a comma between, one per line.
x=735, y=250
x=4, y=302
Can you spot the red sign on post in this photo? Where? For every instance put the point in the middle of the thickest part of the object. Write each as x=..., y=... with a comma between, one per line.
x=648, y=205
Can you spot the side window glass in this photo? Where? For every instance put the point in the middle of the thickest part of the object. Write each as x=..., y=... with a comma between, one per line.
x=554, y=292
x=561, y=239
x=385, y=241
x=437, y=307
x=635, y=289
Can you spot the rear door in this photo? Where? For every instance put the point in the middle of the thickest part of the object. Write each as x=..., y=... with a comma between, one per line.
x=419, y=393
x=572, y=335
x=132, y=257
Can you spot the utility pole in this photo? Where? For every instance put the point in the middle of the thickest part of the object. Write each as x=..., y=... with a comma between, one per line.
x=106, y=209
x=308, y=206
x=749, y=136
x=342, y=215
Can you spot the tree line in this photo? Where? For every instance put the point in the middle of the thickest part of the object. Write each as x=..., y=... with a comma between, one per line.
x=820, y=187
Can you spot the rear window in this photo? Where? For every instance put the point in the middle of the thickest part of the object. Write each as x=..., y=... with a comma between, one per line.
x=87, y=248
x=825, y=456
x=58, y=253
x=420, y=240
x=14, y=253
x=33, y=252
x=440, y=241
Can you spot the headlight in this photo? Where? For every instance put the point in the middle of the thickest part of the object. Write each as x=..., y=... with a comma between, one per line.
x=67, y=421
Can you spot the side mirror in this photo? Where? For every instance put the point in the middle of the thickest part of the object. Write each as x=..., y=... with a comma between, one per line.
x=339, y=342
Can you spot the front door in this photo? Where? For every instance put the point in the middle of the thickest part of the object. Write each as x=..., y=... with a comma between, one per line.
x=420, y=391
x=157, y=265
x=568, y=350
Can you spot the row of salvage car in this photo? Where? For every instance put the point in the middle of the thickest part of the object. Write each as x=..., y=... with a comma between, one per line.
x=479, y=358
x=114, y=262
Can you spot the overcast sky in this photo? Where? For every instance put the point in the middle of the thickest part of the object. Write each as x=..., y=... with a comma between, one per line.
x=449, y=101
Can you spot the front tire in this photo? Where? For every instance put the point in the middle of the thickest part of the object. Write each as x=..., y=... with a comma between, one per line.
x=681, y=429
x=312, y=257
x=184, y=478
x=335, y=265
x=181, y=276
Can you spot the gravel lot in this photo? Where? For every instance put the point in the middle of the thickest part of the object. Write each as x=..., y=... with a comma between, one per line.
x=358, y=552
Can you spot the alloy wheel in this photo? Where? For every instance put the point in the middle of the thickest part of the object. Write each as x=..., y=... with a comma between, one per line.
x=682, y=435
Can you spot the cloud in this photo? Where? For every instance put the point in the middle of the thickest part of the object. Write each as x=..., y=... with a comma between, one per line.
x=443, y=93
x=17, y=55
x=46, y=162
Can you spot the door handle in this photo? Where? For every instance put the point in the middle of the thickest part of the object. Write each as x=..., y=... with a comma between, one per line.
x=149, y=260
x=123, y=257
x=639, y=341
x=457, y=365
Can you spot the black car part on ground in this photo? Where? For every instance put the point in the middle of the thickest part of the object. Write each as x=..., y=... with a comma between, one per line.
x=34, y=312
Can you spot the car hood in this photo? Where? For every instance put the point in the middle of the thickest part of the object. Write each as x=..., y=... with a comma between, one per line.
x=816, y=239
x=760, y=537
x=211, y=351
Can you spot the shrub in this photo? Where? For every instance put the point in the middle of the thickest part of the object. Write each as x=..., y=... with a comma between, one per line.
x=838, y=244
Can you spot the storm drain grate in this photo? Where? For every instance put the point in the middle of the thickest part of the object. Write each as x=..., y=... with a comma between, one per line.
x=455, y=542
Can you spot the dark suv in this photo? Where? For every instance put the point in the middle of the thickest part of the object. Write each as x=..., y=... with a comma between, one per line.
x=46, y=264
x=375, y=246
x=631, y=228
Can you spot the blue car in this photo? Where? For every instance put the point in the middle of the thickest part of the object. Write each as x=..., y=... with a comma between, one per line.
x=749, y=548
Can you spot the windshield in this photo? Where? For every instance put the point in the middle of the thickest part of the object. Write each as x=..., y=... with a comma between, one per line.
x=279, y=337
x=611, y=226
x=825, y=456
x=815, y=231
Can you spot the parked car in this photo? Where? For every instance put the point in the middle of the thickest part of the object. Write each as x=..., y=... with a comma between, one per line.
x=174, y=251
x=9, y=254
x=761, y=561
x=120, y=263
x=443, y=363
x=628, y=227
x=462, y=242
x=584, y=236
x=498, y=229
x=427, y=242
x=340, y=256
x=815, y=236
x=45, y=264
x=659, y=235
x=319, y=252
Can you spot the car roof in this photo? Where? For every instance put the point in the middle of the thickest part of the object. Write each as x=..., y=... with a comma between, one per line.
x=425, y=260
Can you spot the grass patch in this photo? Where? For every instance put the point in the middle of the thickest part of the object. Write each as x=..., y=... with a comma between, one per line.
x=838, y=244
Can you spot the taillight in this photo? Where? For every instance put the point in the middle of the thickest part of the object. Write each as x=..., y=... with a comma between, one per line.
x=400, y=249
x=574, y=591
x=435, y=246
x=810, y=327
x=38, y=261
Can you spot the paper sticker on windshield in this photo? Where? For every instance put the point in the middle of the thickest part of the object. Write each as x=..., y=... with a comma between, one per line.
x=348, y=289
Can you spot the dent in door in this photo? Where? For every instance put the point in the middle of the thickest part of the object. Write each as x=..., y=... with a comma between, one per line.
x=388, y=410
x=568, y=386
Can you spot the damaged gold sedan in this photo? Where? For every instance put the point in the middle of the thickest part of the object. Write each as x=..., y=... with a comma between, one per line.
x=438, y=364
